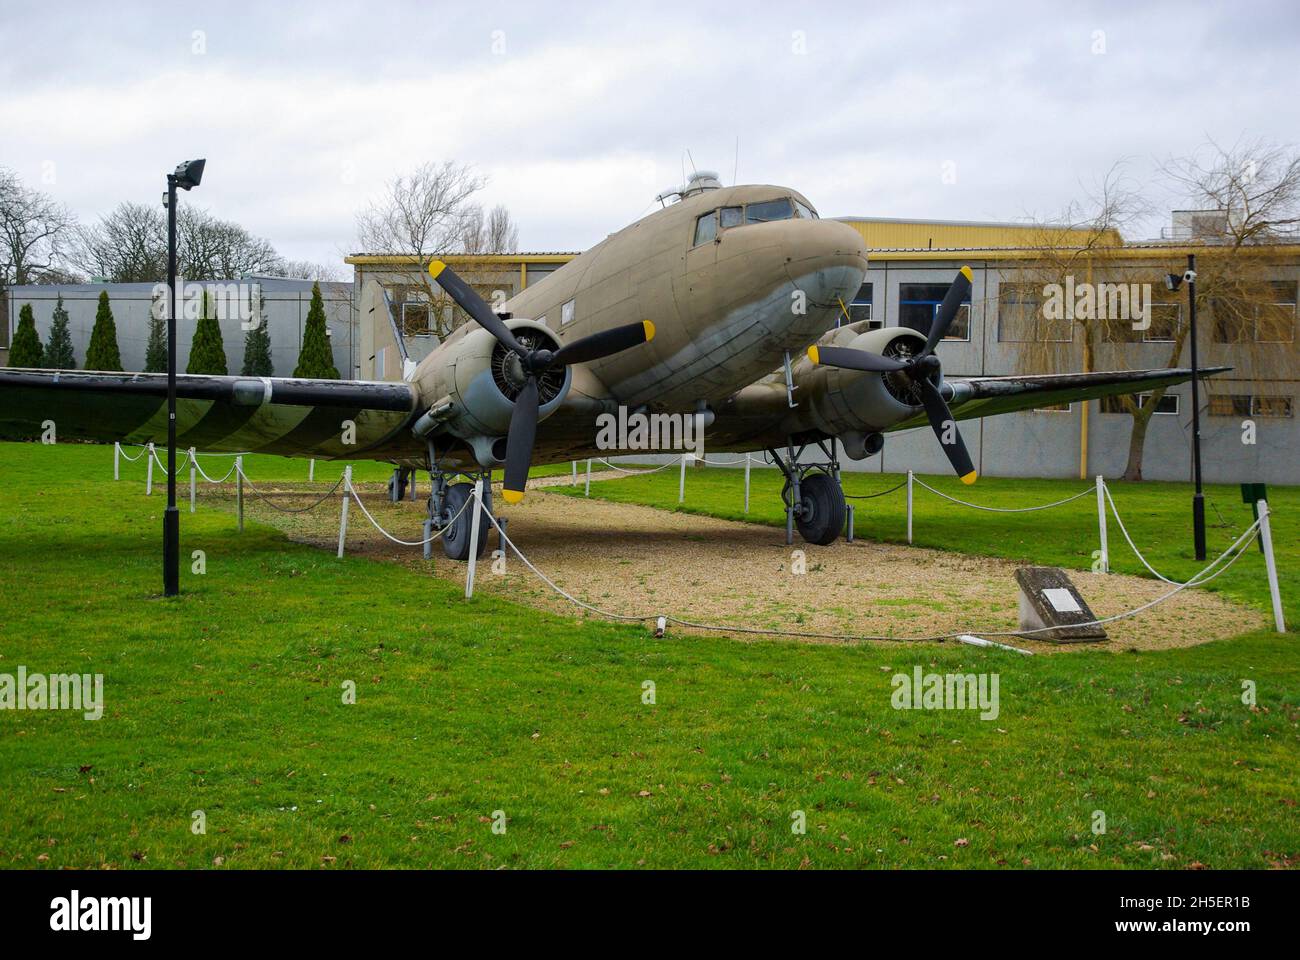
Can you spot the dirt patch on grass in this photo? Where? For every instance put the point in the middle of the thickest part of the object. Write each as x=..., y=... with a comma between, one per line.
x=632, y=559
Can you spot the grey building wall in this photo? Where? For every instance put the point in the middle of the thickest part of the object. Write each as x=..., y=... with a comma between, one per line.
x=286, y=303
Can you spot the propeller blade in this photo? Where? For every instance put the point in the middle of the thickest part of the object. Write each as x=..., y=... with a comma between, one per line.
x=519, y=442
x=848, y=359
x=605, y=343
x=943, y=317
x=473, y=304
x=945, y=428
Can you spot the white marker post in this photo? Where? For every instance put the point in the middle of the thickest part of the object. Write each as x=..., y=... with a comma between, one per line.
x=747, y=483
x=1101, y=523
x=239, y=490
x=588, y=492
x=148, y=478
x=117, y=452
x=909, y=506
x=343, y=516
x=194, y=477
x=1266, y=538
x=311, y=471
x=574, y=464
x=477, y=507
x=681, y=484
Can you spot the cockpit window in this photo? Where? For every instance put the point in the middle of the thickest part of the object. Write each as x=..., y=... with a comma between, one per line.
x=769, y=210
x=804, y=211
x=706, y=228
x=732, y=217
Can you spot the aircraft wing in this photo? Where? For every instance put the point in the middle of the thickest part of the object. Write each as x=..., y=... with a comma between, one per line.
x=988, y=396
x=290, y=417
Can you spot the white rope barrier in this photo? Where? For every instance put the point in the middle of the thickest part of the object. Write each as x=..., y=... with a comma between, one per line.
x=406, y=543
x=977, y=506
x=637, y=473
x=1233, y=552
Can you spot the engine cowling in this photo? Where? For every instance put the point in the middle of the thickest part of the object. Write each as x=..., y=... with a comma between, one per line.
x=479, y=381
x=865, y=403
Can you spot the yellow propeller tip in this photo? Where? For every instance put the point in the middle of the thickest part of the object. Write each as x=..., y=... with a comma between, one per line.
x=813, y=355
x=970, y=478
x=512, y=496
x=649, y=330
x=966, y=272
x=436, y=267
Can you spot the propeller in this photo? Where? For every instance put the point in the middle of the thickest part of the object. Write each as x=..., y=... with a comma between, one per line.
x=534, y=363
x=918, y=370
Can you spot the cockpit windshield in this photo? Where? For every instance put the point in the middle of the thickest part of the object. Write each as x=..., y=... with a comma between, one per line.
x=769, y=210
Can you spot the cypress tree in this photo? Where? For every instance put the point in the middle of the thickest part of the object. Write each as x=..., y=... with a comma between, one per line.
x=155, y=352
x=58, y=352
x=316, y=361
x=25, y=351
x=257, y=345
x=102, y=353
x=207, y=355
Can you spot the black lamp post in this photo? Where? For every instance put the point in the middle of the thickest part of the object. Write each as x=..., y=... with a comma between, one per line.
x=1173, y=282
x=187, y=176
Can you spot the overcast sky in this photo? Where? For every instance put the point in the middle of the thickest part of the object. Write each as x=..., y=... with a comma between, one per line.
x=580, y=113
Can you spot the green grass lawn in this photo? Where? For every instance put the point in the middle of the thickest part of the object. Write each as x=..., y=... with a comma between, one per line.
x=228, y=700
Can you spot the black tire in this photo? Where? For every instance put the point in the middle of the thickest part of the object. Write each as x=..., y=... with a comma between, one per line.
x=821, y=520
x=455, y=539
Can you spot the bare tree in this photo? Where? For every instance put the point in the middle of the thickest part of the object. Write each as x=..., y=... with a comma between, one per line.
x=1255, y=185
x=129, y=245
x=304, y=270
x=431, y=212
x=34, y=232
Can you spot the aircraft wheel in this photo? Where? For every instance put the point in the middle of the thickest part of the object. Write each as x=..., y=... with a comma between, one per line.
x=397, y=485
x=455, y=540
x=822, y=518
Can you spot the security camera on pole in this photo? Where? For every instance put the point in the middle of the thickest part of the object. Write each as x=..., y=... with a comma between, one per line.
x=187, y=176
x=1173, y=281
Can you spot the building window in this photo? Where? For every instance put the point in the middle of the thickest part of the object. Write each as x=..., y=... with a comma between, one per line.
x=566, y=313
x=1271, y=407
x=918, y=302
x=1168, y=404
x=1166, y=319
x=416, y=319
x=1021, y=320
x=1246, y=405
x=706, y=228
x=1275, y=322
x=859, y=308
x=537, y=272
x=1265, y=314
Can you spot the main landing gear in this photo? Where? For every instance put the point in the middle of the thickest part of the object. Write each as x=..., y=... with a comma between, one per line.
x=447, y=510
x=813, y=495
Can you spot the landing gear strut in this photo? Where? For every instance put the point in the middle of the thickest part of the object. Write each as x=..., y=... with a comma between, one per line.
x=447, y=510
x=813, y=496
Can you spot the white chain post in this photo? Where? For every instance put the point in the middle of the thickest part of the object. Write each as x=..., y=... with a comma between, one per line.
x=477, y=507
x=117, y=452
x=747, y=483
x=1101, y=523
x=909, y=506
x=148, y=477
x=343, y=514
x=1266, y=538
x=311, y=471
x=681, y=484
x=574, y=464
x=194, y=477
x=588, y=491
x=239, y=490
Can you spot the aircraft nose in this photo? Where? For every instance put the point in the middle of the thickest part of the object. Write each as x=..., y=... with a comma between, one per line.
x=826, y=259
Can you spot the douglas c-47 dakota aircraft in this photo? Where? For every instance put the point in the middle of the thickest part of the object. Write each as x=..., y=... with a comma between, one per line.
x=687, y=311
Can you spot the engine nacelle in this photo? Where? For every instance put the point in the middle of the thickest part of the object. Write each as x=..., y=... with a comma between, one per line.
x=858, y=405
x=479, y=381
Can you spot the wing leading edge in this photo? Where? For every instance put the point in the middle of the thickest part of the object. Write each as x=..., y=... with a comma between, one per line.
x=290, y=417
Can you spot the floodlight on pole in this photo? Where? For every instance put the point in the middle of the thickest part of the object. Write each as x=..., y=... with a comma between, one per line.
x=186, y=176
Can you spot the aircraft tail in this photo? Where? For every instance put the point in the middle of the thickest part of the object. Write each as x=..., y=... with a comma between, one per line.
x=383, y=351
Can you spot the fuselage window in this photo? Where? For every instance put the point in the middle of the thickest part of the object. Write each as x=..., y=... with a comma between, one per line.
x=706, y=228
x=566, y=313
x=769, y=210
x=805, y=212
x=731, y=217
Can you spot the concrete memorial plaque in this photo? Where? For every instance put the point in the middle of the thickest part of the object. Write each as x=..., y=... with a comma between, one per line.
x=1048, y=599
